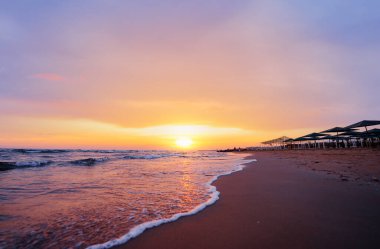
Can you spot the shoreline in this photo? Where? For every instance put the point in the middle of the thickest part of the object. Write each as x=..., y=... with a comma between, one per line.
x=141, y=228
x=279, y=203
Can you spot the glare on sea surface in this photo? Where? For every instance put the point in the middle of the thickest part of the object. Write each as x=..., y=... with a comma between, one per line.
x=184, y=142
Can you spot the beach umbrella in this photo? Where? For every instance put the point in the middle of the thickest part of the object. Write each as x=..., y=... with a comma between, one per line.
x=277, y=141
x=289, y=141
x=334, y=138
x=337, y=130
x=329, y=137
x=338, y=137
x=364, y=123
x=300, y=139
x=314, y=136
x=352, y=133
x=374, y=131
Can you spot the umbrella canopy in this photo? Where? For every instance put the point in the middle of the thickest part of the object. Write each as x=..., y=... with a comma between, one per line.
x=352, y=133
x=339, y=138
x=374, y=131
x=289, y=140
x=301, y=139
x=338, y=129
x=329, y=137
x=276, y=140
x=364, y=123
x=314, y=135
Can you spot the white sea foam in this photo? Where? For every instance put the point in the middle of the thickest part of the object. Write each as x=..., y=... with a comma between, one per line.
x=151, y=156
x=89, y=161
x=139, y=229
x=144, y=157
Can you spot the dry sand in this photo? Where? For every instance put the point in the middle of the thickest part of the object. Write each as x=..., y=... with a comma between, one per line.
x=291, y=199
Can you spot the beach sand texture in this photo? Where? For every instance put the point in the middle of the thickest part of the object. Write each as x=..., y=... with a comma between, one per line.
x=287, y=199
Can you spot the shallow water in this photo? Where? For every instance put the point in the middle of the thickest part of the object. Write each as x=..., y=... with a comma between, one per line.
x=77, y=198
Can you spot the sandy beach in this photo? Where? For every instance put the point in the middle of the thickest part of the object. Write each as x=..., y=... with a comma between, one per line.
x=287, y=199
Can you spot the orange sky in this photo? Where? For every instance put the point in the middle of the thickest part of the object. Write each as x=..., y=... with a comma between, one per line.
x=223, y=74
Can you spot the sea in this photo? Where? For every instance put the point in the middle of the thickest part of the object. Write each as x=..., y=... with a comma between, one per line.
x=101, y=198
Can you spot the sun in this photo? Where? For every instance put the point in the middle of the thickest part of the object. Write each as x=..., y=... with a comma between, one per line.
x=184, y=142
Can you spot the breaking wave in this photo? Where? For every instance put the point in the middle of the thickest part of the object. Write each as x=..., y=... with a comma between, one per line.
x=22, y=164
x=89, y=161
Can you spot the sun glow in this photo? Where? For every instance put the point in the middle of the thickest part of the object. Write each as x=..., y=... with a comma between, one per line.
x=184, y=142
x=84, y=133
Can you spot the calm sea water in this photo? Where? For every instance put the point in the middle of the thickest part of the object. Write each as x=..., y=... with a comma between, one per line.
x=80, y=198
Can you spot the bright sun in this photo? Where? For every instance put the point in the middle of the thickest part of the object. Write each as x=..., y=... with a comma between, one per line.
x=184, y=142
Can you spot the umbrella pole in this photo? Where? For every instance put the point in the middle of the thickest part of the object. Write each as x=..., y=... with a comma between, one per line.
x=366, y=132
x=370, y=139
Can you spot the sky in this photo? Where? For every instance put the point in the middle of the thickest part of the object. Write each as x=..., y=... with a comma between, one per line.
x=144, y=74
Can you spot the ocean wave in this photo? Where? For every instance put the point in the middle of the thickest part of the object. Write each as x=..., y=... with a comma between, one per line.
x=139, y=229
x=23, y=164
x=147, y=157
x=39, y=151
x=107, y=151
x=89, y=161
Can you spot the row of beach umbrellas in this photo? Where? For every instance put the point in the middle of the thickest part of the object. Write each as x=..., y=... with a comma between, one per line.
x=339, y=133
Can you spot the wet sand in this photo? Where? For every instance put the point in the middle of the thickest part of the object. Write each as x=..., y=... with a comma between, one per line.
x=292, y=199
